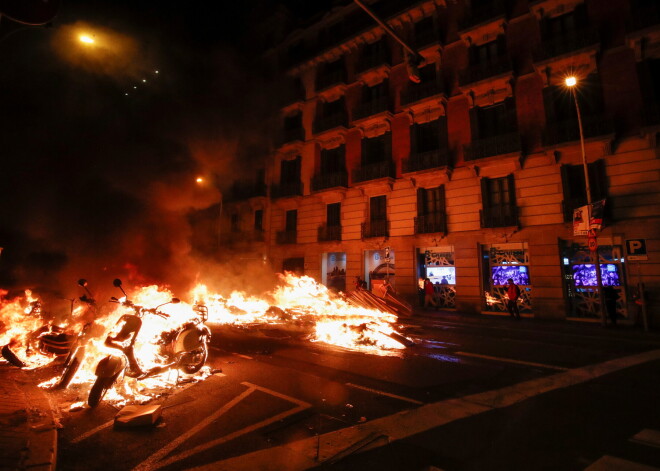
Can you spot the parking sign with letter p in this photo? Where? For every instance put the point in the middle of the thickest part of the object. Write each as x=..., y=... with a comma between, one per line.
x=636, y=249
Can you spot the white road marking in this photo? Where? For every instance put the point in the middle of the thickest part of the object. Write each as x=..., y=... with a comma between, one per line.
x=243, y=356
x=304, y=454
x=383, y=393
x=156, y=461
x=92, y=432
x=611, y=463
x=511, y=360
x=647, y=437
x=101, y=427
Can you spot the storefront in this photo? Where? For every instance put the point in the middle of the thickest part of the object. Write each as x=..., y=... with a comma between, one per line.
x=581, y=282
x=437, y=264
x=333, y=270
x=499, y=263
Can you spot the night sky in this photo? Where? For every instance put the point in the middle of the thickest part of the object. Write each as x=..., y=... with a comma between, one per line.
x=96, y=183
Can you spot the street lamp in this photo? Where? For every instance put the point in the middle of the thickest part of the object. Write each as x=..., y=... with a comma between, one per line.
x=571, y=83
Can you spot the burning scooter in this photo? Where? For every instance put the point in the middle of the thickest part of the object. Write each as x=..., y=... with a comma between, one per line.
x=77, y=352
x=185, y=348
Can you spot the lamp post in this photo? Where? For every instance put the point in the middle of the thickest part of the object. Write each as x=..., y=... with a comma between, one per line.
x=571, y=82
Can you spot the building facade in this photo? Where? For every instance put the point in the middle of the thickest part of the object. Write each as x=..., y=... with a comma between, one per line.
x=471, y=175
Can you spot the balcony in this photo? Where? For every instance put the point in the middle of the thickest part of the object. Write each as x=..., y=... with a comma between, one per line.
x=431, y=223
x=569, y=130
x=286, y=237
x=371, y=61
x=561, y=45
x=496, y=145
x=374, y=171
x=329, y=233
x=484, y=70
x=371, y=108
x=287, y=189
x=428, y=160
x=241, y=192
x=643, y=17
x=425, y=38
x=325, y=123
x=375, y=228
x=323, y=181
x=292, y=135
x=415, y=92
x=329, y=79
x=502, y=216
x=489, y=11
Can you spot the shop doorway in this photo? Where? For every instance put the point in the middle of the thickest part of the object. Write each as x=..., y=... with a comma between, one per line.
x=378, y=267
x=499, y=263
x=333, y=270
x=581, y=282
x=437, y=264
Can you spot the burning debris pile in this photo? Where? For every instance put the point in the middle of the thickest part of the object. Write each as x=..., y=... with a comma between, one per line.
x=127, y=349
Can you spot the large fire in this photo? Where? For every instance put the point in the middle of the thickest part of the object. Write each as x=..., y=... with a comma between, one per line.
x=298, y=304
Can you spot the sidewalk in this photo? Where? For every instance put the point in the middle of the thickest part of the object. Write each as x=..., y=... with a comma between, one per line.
x=28, y=429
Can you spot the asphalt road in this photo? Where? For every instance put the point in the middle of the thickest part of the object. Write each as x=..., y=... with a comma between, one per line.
x=472, y=393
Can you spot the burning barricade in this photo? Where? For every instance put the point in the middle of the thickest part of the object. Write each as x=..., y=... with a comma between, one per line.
x=139, y=345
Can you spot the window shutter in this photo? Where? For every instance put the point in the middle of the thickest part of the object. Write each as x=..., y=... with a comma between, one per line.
x=568, y=196
x=442, y=207
x=501, y=46
x=581, y=18
x=597, y=180
x=443, y=136
x=414, y=130
x=387, y=146
x=474, y=122
x=512, y=200
x=485, y=203
x=549, y=104
x=510, y=110
x=421, y=210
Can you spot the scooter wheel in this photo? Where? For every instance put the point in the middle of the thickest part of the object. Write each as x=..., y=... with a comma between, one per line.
x=197, y=360
x=11, y=357
x=69, y=372
x=100, y=387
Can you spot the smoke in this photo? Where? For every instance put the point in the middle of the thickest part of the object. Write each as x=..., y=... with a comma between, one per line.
x=100, y=158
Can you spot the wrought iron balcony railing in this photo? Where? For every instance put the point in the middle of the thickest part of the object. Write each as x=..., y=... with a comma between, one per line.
x=416, y=92
x=501, y=216
x=569, y=130
x=371, y=108
x=484, y=70
x=489, y=11
x=370, y=61
x=431, y=223
x=287, y=189
x=323, y=181
x=496, y=145
x=328, y=79
x=240, y=191
x=426, y=160
x=286, y=237
x=374, y=171
x=325, y=123
x=557, y=46
x=376, y=228
x=329, y=233
x=293, y=134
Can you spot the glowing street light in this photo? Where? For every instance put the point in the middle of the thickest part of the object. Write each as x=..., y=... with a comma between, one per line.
x=199, y=180
x=86, y=39
x=571, y=83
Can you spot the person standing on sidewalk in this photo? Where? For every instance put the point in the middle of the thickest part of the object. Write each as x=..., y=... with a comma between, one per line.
x=512, y=295
x=429, y=294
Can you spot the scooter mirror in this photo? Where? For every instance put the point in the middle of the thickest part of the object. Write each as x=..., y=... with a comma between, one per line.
x=175, y=301
x=113, y=299
x=82, y=282
x=116, y=283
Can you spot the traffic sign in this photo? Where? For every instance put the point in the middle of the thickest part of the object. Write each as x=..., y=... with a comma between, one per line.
x=593, y=243
x=636, y=249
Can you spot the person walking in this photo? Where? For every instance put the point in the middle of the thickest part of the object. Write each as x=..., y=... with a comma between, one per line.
x=610, y=297
x=512, y=295
x=429, y=294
